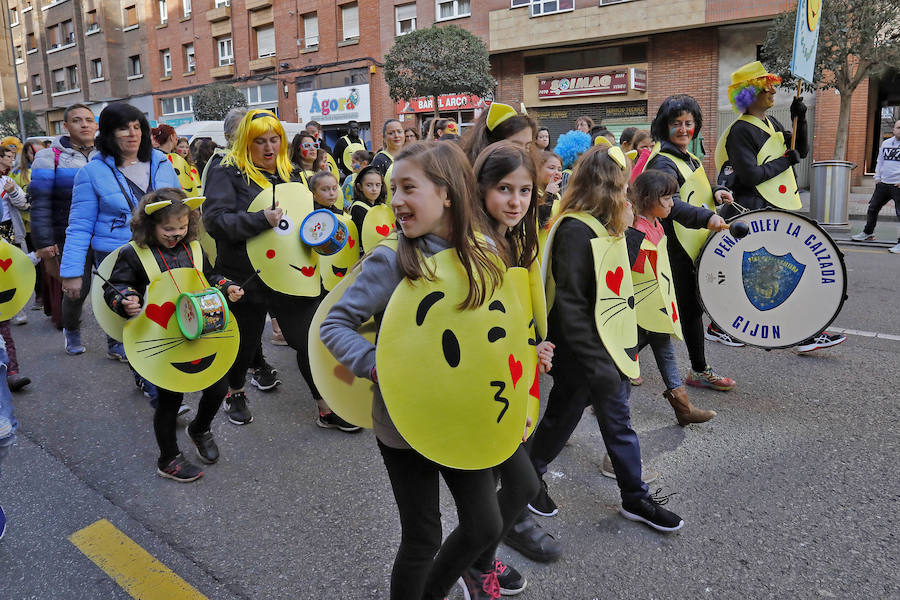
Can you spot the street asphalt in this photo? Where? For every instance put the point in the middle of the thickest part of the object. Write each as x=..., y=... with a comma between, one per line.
x=790, y=492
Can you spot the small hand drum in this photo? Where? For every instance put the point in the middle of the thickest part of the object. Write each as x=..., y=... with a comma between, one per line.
x=200, y=313
x=322, y=231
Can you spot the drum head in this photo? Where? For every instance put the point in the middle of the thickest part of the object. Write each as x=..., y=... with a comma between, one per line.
x=318, y=227
x=778, y=286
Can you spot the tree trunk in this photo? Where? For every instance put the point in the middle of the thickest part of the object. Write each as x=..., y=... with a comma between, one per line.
x=843, y=126
x=434, y=120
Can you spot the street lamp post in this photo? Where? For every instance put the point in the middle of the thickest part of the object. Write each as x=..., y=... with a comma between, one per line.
x=12, y=50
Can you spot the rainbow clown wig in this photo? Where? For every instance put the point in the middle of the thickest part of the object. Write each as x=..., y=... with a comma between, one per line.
x=571, y=145
x=746, y=84
x=254, y=124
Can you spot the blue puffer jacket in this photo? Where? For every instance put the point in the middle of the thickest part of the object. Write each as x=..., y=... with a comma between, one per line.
x=100, y=213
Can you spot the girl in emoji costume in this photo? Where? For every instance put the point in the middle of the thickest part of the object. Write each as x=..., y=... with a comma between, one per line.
x=500, y=122
x=447, y=362
x=656, y=307
x=507, y=194
x=677, y=122
x=259, y=244
x=164, y=230
x=593, y=326
x=369, y=191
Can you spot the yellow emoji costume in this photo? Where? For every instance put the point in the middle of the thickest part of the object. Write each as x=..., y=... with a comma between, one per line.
x=377, y=226
x=655, y=305
x=17, y=276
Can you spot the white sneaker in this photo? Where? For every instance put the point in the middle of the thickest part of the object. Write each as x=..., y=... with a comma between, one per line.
x=20, y=319
x=863, y=237
x=895, y=249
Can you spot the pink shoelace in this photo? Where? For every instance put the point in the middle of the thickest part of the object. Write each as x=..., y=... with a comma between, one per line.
x=490, y=585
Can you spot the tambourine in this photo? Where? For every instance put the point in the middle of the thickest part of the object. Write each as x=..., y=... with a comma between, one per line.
x=323, y=232
x=780, y=284
x=203, y=312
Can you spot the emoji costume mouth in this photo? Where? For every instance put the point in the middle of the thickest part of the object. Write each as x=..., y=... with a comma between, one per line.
x=337, y=271
x=195, y=366
x=7, y=295
x=307, y=271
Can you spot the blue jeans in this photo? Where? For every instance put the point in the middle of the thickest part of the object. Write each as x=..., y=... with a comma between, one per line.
x=8, y=423
x=664, y=353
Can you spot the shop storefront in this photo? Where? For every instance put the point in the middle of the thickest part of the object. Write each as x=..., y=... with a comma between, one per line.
x=334, y=107
x=463, y=108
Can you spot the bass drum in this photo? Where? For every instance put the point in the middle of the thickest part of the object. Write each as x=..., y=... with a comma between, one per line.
x=780, y=285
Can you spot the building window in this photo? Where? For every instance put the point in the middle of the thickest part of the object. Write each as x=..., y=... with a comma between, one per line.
x=72, y=77
x=96, y=69
x=519, y=3
x=163, y=12
x=36, y=83
x=134, y=66
x=587, y=58
x=59, y=80
x=65, y=80
x=310, y=30
x=13, y=17
x=186, y=7
x=165, y=57
x=452, y=9
x=91, y=23
x=262, y=94
x=131, y=19
x=57, y=127
x=223, y=3
x=176, y=105
x=406, y=18
x=31, y=42
x=265, y=41
x=20, y=55
x=226, y=51
x=350, y=21
x=67, y=32
x=189, y=60
x=549, y=7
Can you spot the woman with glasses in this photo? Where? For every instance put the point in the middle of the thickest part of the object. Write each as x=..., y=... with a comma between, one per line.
x=304, y=150
x=677, y=123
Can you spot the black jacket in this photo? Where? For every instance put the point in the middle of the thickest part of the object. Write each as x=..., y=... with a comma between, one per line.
x=129, y=277
x=382, y=162
x=743, y=145
x=339, y=148
x=228, y=195
x=571, y=326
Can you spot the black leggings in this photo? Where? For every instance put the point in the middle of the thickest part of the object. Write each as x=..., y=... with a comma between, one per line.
x=424, y=569
x=294, y=314
x=520, y=484
x=164, y=419
x=691, y=313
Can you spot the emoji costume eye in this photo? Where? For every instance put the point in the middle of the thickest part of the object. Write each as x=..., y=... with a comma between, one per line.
x=496, y=333
x=451, y=348
x=285, y=226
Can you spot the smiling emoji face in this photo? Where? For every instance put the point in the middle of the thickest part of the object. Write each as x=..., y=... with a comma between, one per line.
x=285, y=264
x=456, y=382
x=160, y=353
x=17, y=277
x=335, y=267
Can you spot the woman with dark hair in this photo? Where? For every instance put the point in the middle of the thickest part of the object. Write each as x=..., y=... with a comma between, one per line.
x=677, y=123
x=410, y=136
x=166, y=140
x=105, y=192
x=542, y=139
x=394, y=138
x=585, y=124
x=500, y=122
x=304, y=151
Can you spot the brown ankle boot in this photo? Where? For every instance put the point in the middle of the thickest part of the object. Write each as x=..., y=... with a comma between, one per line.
x=686, y=412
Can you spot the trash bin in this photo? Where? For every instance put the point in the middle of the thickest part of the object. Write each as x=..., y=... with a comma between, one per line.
x=830, y=194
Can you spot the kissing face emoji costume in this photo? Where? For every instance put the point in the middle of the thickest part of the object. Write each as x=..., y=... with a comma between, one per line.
x=285, y=264
x=17, y=277
x=463, y=400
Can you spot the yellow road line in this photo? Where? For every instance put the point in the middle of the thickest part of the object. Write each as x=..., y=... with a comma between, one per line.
x=130, y=566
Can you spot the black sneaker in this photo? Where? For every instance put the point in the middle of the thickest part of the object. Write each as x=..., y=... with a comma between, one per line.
x=530, y=539
x=265, y=377
x=543, y=504
x=332, y=421
x=181, y=470
x=511, y=581
x=236, y=408
x=206, y=445
x=714, y=334
x=479, y=586
x=649, y=510
x=823, y=340
x=16, y=382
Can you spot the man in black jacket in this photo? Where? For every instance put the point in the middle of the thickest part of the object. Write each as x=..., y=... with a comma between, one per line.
x=352, y=137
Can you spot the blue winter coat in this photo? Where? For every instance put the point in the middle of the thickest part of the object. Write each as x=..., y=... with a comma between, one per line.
x=100, y=214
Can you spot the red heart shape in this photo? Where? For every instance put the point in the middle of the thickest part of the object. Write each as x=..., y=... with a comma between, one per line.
x=160, y=314
x=614, y=280
x=674, y=313
x=352, y=242
x=308, y=271
x=344, y=374
x=6, y=263
x=515, y=369
x=652, y=255
x=383, y=230
x=535, y=390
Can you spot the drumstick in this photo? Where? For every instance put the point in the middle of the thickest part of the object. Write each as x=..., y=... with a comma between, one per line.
x=249, y=279
x=106, y=281
x=274, y=186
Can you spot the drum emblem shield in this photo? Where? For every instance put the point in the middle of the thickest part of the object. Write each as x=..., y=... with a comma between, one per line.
x=768, y=279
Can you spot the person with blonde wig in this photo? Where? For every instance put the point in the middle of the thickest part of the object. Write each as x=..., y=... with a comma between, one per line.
x=258, y=159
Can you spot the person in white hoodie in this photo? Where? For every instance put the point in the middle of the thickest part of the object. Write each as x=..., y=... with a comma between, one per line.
x=887, y=187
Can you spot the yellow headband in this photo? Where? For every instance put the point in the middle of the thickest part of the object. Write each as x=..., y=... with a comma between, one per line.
x=499, y=112
x=632, y=154
x=191, y=203
x=617, y=155
x=601, y=140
